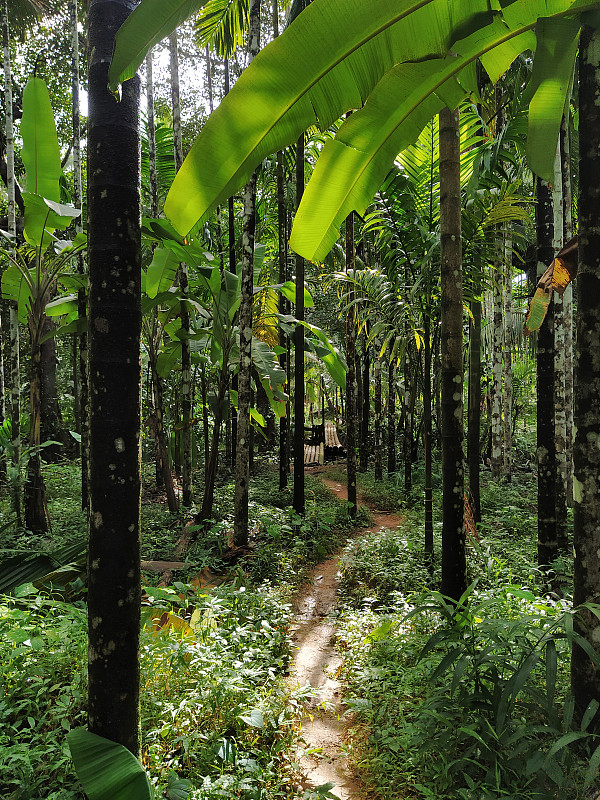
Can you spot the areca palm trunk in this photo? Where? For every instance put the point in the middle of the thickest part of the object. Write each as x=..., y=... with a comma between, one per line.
x=454, y=581
x=299, y=505
x=585, y=677
x=507, y=359
x=350, y=376
x=546, y=451
x=82, y=336
x=567, y=300
x=242, y=458
x=186, y=367
x=13, y=353
x=114, y=593
x=560, y=413
x=474, y=412
x=391, y=418
x=378, y=448
x=498, y=335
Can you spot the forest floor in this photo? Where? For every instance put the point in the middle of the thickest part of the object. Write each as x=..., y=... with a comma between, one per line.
x=316, y=662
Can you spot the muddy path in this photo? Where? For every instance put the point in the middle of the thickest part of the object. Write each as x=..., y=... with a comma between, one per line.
x=316, y=662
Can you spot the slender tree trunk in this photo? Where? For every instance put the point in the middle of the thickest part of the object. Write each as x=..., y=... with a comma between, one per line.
x=567, y=301
x=391, y=418
x=498, y=335
x=157, y=425
x=82, y=336
x=151, y=137
x=507, y=358
x=210, y=472
x=546, y=453
x=13, y=354
x=350, y=375
x=2, y=387
x=560, y=413
x=378, y=448
x=186, y=368
x=242, y=461
x=585, y=676
x=454, y=579
x=114, y=593
x=299, y=352
x=427, y=442
x=284, y=421
x=474, y=430
x=365, y=408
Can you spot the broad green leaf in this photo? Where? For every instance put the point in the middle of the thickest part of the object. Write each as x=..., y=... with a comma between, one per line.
x=592, y=770
x=148, y=24
x=327, y=62
x=16, y=288
x=538, y=308
x=40, y=153
x=161, y=272
x=288, y=290
x=267, y=364
x=254, y=718
x=107, y=770
x=61, y=306
x=555, y=54
x=42, y=216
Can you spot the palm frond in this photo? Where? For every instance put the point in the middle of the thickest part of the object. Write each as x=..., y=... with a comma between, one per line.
x=221, y=24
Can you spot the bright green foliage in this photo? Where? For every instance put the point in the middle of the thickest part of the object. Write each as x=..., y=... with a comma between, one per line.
x=40, y=153
x=107, y=770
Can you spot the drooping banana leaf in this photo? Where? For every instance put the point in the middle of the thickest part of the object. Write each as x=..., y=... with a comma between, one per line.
x=553, y=66
x=557, y=277
x=107, y=770
x=325, y=63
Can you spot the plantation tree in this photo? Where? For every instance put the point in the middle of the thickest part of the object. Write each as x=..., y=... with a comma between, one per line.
x=115, y=376
x=585, y=675
x=454, y=569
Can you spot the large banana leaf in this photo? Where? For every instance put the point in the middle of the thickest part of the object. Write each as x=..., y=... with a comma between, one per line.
x=327, y=62
x=40, y=153
x=107, y=770
x=555, y=55
x=354, y=164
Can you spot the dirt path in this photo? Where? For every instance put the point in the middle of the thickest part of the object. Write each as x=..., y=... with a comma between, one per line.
x=317, y=663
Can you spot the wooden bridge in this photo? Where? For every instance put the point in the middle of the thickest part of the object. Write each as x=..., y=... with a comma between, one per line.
x=321, y=446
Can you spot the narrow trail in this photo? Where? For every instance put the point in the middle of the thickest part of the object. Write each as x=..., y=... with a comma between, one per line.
x=317, y=663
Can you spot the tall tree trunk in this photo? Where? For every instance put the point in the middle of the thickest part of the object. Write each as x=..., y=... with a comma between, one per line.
x=299, y=352
x=242, y=460
x=157, y=427
x=474, y=413
x=151, y=137
x=546, y=454
x=454, y=578
x=82, y=335
x=507, y=357
x=210, y=471
x=560, y=413
x=114, y=593
x=585, y=676
x=2, y=387
x=350, y=375
x=13, y=354
x=378, y=446
x=186, y=367
x=365, y=409
x=427, y=440
x=284, y=421
x=567, y=301
x=498, y=335
x=391, y=418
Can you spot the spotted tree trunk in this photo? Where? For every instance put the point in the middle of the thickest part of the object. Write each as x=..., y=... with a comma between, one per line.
x=585, y=676
x=546, y=451
x=351, y=421
x=115, y=381
x=454, y=580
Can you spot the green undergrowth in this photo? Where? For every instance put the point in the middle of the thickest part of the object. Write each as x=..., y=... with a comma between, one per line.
x=469, y=704
x=215, y=710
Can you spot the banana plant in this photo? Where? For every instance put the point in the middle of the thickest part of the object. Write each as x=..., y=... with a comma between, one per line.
x=397, y=61
x=36, y=267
